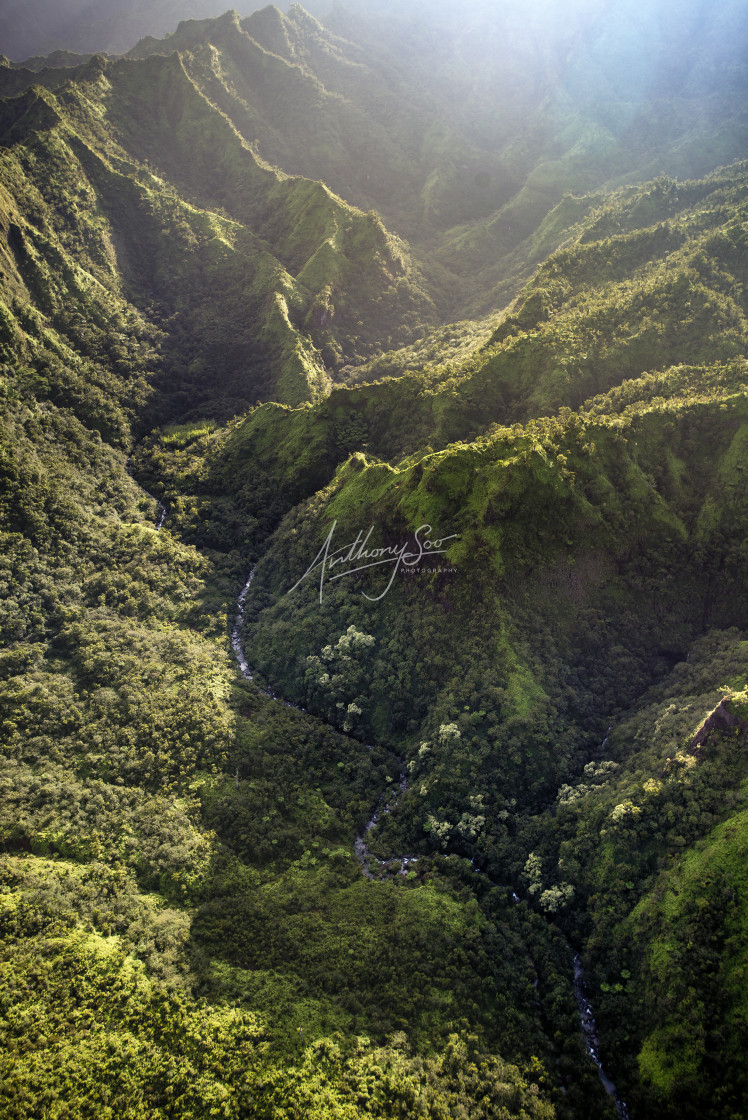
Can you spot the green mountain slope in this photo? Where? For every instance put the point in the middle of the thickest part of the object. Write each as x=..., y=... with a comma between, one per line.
x=390, y=120
x=591, y=554
x=391, y=117
x=195, y=245
x=653, y=280
x=514, y=777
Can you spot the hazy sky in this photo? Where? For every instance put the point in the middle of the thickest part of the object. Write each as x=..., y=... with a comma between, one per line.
x=620, y=35
x=29, y=27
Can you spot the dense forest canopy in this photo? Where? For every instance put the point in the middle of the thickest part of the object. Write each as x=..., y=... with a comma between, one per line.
x=304, y=814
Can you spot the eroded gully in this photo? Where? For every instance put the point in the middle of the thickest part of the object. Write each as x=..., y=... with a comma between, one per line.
x=161, y=516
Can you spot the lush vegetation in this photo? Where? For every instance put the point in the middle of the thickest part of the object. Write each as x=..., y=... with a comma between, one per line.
x=527, y=742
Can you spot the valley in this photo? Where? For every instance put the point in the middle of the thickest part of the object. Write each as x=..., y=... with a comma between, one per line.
x=441, y=832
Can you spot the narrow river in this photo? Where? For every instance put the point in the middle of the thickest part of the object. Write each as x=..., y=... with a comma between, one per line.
x=390, y=796
x=386, y=804
x=236, y=633
x=589, y=1029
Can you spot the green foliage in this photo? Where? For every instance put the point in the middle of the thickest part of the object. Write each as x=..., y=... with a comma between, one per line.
x=189, y=926
x=699, y=902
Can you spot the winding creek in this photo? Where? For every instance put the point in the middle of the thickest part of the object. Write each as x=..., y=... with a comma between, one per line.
x=387, y=802
x=589, y=1030
x=390, y=796
x=236, y=633
x=401, y=864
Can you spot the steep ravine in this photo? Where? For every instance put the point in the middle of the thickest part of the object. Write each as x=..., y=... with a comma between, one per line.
x=589, y=1030
x=161, y=515
x=401, y=864
x=389, y=797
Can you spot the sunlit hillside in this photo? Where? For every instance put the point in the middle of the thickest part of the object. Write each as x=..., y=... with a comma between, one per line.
x=373, y=535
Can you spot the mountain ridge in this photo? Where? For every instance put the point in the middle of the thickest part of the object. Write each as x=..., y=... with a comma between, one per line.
x=516, y=723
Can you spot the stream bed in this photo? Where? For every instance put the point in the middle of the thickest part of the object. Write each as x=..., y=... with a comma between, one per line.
x=589, y=1030
x=368, y=861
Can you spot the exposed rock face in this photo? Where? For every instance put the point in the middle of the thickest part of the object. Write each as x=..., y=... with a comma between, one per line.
x=720, y=719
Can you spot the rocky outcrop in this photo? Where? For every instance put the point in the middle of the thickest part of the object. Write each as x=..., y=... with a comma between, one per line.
x=719, y=719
